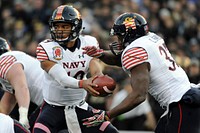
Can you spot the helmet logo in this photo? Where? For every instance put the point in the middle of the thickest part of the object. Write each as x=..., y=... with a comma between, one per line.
x=129, y=23
x=59, y=13
x=57, y=53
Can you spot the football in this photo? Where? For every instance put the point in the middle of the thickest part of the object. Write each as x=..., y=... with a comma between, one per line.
x=106, y=85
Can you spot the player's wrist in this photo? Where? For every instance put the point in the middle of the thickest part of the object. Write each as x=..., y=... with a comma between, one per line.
x=101, y=53
x=107, y=116
x=23, y=112
x=23, y=116
x=80, y=83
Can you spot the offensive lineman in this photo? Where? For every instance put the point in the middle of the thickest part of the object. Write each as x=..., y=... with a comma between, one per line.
x=21, y=79
x=152, y=69
x=66, y=68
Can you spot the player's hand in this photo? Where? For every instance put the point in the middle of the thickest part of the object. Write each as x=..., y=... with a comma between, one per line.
x=88, y=86
x=26, y=130
x=93, y=51
x=97, y=119
x=116, y=48
x=24, y=121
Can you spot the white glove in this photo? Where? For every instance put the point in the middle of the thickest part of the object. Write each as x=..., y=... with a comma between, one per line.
x=23, y=117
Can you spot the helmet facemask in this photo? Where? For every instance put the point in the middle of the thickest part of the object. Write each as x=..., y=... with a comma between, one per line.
x=60, y=35
x=4, y=46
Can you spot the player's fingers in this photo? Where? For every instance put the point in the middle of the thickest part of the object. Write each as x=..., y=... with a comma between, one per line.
x=92, y=53
x=93, y=91
x=92, y=50
x=89, y=52
x=86, y=47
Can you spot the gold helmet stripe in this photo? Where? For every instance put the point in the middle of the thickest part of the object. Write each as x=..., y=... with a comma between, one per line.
x=78, y=13
x=59, y=12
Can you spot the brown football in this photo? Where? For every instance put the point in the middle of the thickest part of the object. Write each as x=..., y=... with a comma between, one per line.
x=106, y=85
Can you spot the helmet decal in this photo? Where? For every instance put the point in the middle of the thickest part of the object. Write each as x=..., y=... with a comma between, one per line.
x=129, y=22
x=59, y=12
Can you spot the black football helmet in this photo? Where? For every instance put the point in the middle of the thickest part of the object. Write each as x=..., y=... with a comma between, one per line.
x=4, y=47
x=128, y=27
x=65, y=14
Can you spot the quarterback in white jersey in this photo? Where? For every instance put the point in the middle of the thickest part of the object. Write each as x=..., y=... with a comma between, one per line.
x=152, y=69
x=76, y=65
x=66, y=69
x=20, y=78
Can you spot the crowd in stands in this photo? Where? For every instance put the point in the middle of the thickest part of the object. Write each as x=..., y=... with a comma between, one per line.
x=24, y=23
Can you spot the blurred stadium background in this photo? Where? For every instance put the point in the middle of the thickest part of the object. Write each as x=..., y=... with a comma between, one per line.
x=135, y=132
x=24, y=23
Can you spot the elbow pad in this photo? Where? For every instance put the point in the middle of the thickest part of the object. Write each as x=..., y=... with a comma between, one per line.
x=60, y=75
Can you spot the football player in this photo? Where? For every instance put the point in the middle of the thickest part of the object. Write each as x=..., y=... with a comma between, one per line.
x=66, y=68
x=9, y=125
x=145, y=57
x=21, y=79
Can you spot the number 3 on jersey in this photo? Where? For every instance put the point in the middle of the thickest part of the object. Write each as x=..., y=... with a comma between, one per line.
x=164, y=52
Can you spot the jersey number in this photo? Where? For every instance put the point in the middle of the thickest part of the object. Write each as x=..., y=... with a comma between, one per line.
x=79, y=75
x=163, y=50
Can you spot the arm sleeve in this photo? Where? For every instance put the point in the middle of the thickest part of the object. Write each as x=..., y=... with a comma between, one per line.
x=133, y=57
x=60, y=75
x=41, y=54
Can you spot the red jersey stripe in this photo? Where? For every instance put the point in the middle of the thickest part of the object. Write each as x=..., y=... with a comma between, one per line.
x=133, y=57
x=5, y=63
x=41, y=54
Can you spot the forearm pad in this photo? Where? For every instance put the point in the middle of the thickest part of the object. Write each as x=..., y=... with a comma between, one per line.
x=60, y=75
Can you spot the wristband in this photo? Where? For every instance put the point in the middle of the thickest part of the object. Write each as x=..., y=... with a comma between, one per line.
x=102, y=54
x=81, y=84
x=107, y=116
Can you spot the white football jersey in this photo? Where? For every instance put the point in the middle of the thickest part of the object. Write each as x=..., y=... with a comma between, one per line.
x=76, y=65
x=33, y=71
x=168, y=81
x=6, y=124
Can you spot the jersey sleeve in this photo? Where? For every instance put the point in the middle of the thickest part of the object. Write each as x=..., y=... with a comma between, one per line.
x=5, y=64
x=41, y=54
x=49, y=50
x=133, y=57
x=91, y=41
